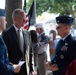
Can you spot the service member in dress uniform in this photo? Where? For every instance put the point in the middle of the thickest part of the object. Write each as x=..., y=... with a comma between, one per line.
x=6, y=68
x=65, y=49
x=2, y=21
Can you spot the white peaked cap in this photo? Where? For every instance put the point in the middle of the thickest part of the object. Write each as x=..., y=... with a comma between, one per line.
x=39, y=25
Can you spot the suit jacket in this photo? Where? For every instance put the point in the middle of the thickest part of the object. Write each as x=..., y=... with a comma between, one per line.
x=64, y=55
x=11, y=39
x=5, y=67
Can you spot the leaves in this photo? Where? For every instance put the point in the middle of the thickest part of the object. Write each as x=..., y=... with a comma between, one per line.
x=64, y=7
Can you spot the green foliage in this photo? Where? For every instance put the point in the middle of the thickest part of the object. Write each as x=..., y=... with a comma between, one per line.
x=42, y=6
x=28, y=5
x=64, y=7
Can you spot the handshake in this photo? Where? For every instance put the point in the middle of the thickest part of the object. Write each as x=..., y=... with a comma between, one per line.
x=50, y=66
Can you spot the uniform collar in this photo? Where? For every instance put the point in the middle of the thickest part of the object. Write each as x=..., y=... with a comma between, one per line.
x=65, y=37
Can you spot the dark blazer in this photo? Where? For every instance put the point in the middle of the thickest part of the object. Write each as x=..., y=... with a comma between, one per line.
x=11, y=39
x=5, y=67
x=64, y=55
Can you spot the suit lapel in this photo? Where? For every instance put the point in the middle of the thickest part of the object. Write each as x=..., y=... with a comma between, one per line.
x=13, y=31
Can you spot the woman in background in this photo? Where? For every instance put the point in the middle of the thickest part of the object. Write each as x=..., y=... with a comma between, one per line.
x=35, y=45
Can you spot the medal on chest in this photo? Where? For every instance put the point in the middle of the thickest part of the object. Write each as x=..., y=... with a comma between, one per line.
x=65, y=47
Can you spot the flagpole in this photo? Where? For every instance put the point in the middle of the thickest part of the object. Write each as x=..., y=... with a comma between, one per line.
x=35, y=9
x=24, y=8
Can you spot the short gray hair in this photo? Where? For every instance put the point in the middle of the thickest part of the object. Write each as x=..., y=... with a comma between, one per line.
x=17, y=13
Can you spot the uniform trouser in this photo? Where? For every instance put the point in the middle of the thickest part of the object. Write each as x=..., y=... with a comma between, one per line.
x=42, y=63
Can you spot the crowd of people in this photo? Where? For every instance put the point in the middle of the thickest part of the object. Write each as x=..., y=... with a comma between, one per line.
x=24, y=52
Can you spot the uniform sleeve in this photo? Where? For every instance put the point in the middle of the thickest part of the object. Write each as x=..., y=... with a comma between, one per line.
x=5, y=67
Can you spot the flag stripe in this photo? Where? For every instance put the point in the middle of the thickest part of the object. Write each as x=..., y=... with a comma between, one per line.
x=26, y=25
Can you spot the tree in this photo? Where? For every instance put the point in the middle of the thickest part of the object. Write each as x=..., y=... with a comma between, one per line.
x=61, y=7
x=64, y=7
x=10, y=6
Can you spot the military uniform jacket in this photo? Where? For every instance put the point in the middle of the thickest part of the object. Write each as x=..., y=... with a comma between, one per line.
x=5, y=67
x=64, y=55
x=15, y=54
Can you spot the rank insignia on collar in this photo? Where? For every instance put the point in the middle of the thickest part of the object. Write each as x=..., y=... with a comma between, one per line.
x=64, y=48
x=62, y=56
x=66, y=43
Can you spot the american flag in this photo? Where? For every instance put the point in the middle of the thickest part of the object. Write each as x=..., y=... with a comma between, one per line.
x=30, y=16
x=26, y=25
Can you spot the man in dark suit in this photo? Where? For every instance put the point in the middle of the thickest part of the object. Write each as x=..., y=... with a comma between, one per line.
x=18, y=42
x=66, y=47
x=5, y=67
